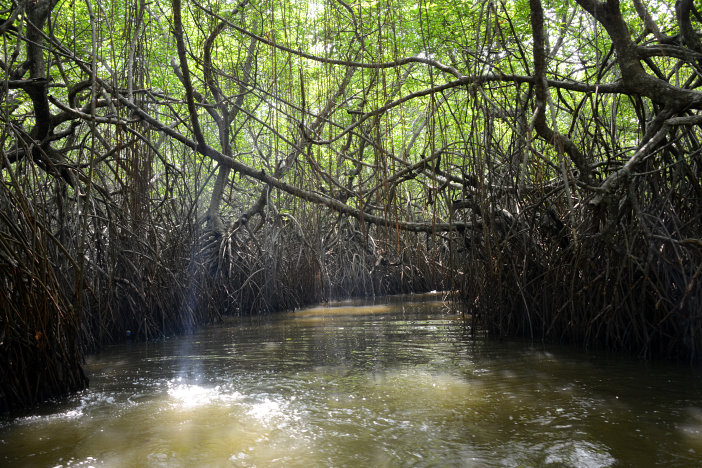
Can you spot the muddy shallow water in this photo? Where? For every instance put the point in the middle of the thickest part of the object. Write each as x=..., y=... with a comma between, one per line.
x=400, y=382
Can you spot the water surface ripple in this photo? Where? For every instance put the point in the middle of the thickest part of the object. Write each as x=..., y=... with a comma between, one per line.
x=402, y=382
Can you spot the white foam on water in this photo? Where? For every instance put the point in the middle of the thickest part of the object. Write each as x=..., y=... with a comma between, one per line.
x=190, y=396
x=266, y=410
x=580, y=453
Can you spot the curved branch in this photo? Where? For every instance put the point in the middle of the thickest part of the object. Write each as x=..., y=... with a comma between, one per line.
x=347, y=63
x=682, y=13
x=303, y=194
x=634, y=76
x=476, y=81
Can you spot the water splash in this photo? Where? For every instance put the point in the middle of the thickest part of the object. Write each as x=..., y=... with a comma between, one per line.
x=187, y=395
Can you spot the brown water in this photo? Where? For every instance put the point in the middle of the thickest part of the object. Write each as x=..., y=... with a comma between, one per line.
x=400, y=383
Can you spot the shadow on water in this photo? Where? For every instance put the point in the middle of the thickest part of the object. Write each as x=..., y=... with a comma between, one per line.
x=403, y=382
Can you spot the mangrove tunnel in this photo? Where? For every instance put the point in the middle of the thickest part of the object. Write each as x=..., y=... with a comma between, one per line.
x=167, y=163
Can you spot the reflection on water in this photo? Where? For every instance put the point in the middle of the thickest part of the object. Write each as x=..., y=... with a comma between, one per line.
x=401, y=383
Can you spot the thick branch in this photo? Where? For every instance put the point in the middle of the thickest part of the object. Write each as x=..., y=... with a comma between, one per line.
x=682, y=12
x=541, y=94
x=634, y=76
x=187, y=83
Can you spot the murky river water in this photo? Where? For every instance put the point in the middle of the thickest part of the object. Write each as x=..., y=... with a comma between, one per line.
x=401, y=383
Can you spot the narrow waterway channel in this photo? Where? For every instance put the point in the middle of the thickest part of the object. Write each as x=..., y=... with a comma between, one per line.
x=401, y=382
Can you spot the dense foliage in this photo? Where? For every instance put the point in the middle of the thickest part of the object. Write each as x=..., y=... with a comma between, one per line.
x=165, y=163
